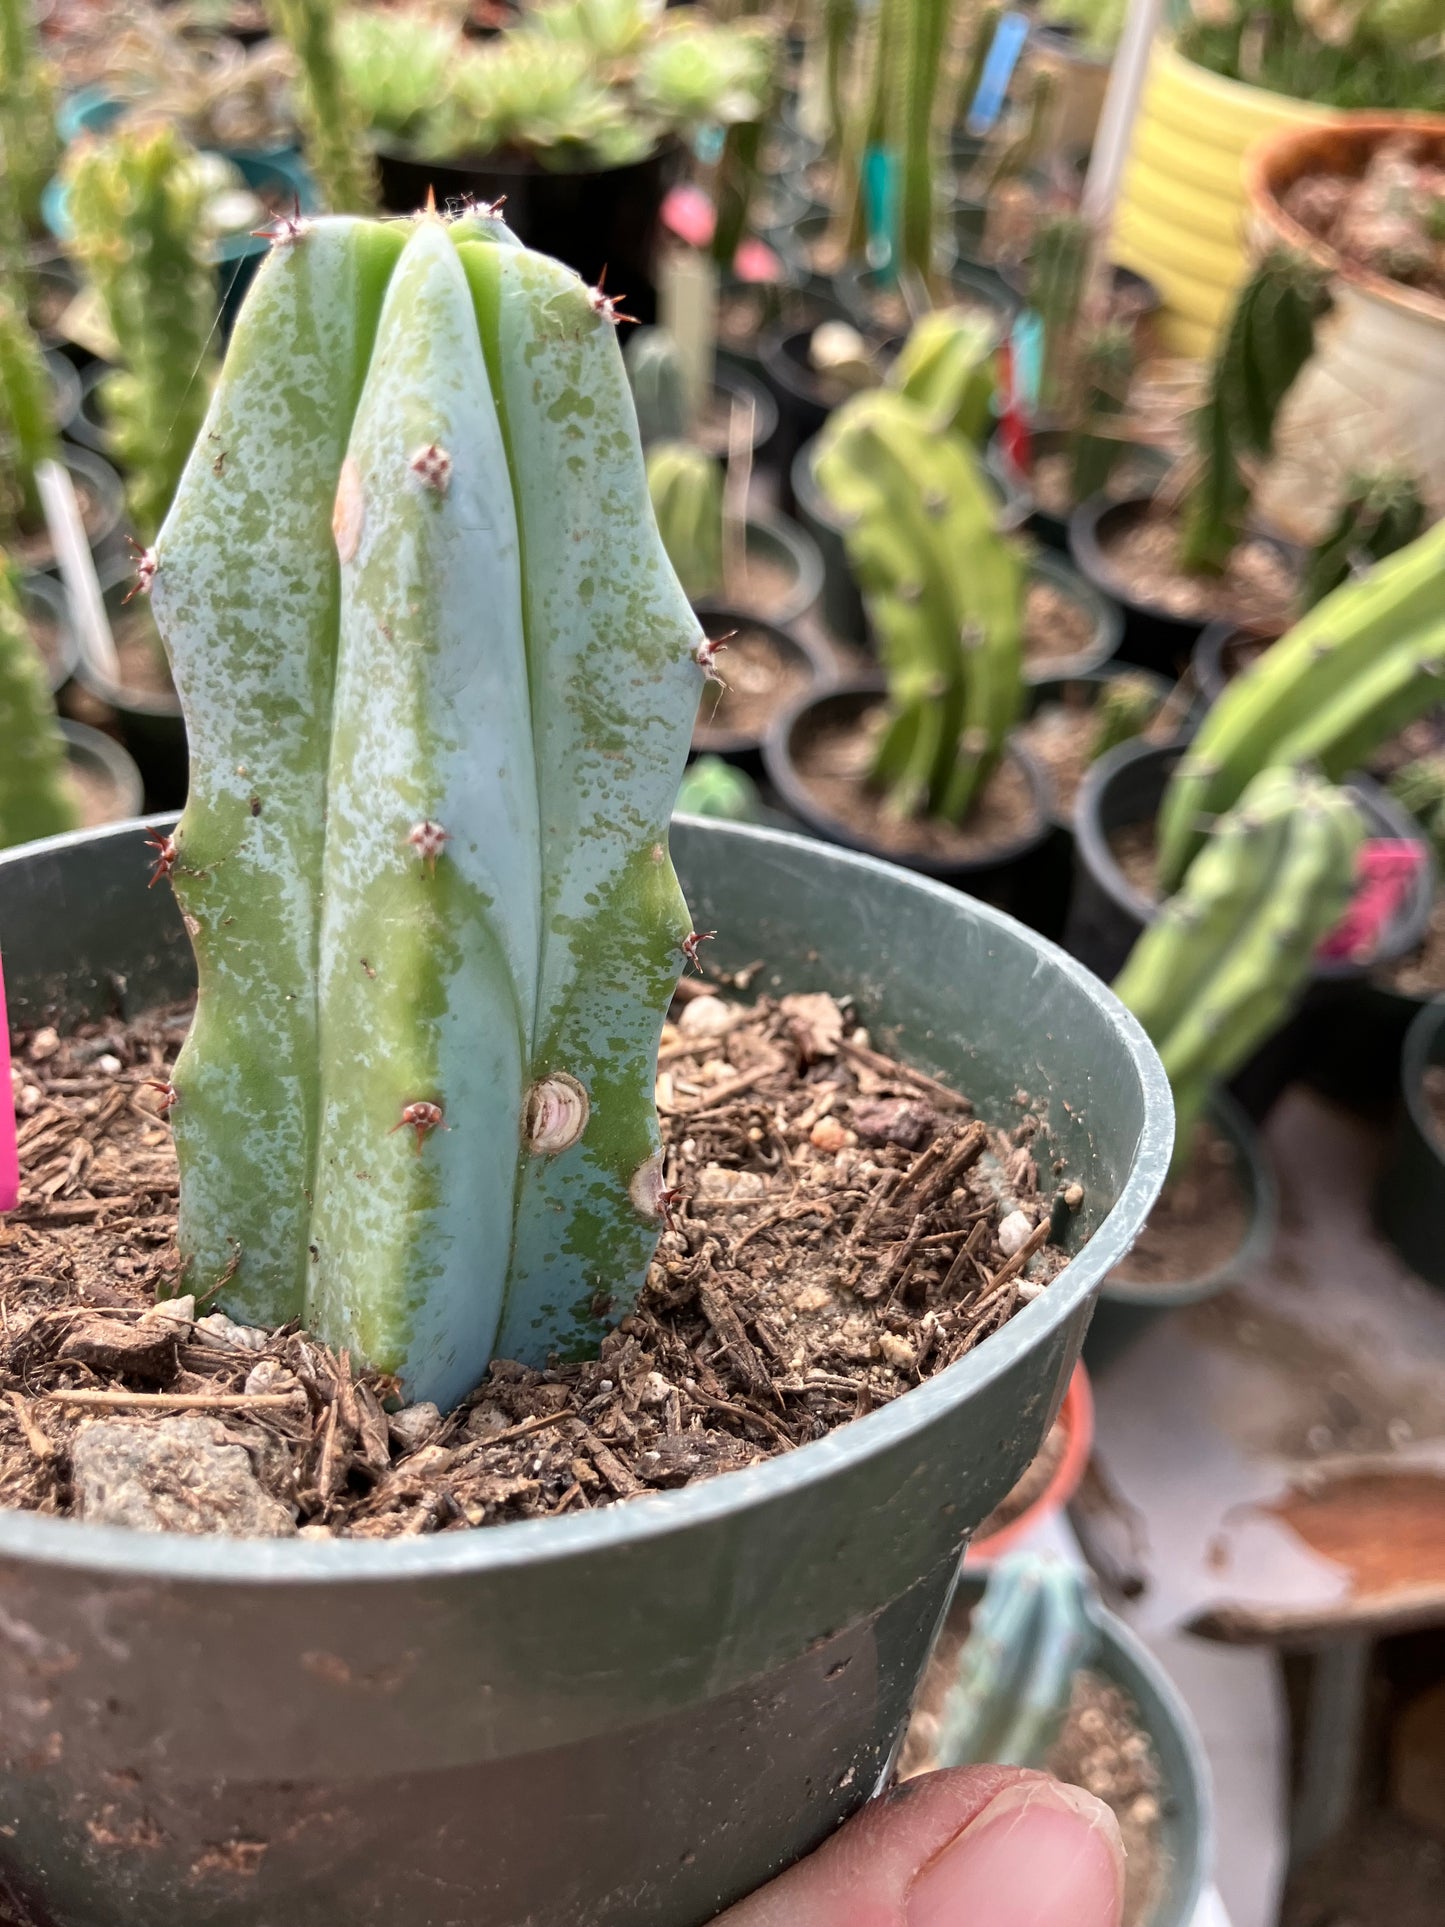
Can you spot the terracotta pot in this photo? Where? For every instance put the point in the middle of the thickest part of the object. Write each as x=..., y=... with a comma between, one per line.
x=1076, y=1422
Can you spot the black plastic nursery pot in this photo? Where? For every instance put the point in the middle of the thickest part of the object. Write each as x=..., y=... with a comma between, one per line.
x=149, y=721
x=112, y=774
x=787, y=552
x=64, y=388
x=88, y=425
x=961, y=284
x=804, y=400
x=1008, y=875
x=628, y=1717
x=47, y=612
x=1154, y=637
x=798, y=648
x=1410, y=1195
x=1106, y=623
x=1126, y=1311
x=1138, y=465
x=1107, y=914
x=1186, y=1831
x=594, y=219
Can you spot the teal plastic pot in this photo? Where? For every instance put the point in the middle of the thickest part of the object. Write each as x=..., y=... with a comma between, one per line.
x=1410, y=1196
x=624, y=1718
x=1126, y=1311
x=1186, y=1826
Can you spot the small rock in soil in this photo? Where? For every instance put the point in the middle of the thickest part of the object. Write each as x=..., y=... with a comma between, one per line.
x=172, y=1475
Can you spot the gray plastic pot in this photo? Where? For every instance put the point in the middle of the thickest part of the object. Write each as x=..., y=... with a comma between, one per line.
x=102, y=759
x=43, y=600
x=1410, y=1195
x=625, y=1718
x=1186, y=1825
x=1126, y=1311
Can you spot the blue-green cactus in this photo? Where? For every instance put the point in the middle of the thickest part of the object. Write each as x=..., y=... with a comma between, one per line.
x=1029, y=1635
x=439, y=680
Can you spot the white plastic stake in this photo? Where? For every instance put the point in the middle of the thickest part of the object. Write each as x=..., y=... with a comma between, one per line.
x=687, y=308
x=77, y=570
x=1121, y=105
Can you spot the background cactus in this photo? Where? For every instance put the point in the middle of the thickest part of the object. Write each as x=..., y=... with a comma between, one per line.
x=946, y=366
x=1269, y=339
x=27, y=427
x=136, y=204
x=1228, y=955
x=916, y=76
x=1102, y=371
x=1379, y=514
x=712, y=787
x=1028, y=1636
x=439, y=681
x=659, y=390
x=1419, y=787
x=332, y=126
x=1362, y=664
x=1127, y=705
x=686, y=487
x=1058, y=272
x=944, y=592
x=35, y=798
x=28, y=141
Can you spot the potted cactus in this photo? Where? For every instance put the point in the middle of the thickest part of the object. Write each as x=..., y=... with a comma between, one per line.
x=424, y=871
x=752, y=563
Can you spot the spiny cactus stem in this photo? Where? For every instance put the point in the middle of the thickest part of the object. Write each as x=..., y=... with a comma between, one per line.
x=608, y=305
x=422, y=1117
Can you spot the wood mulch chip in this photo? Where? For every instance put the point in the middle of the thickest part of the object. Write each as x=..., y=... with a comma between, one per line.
x=847, y=1229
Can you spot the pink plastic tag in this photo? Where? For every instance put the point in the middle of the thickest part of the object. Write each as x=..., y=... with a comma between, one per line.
x=1384, y=874
x=9, y=1152
x=688, y=213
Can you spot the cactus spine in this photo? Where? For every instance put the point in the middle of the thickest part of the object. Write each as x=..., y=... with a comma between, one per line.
x=439, y=682
x=686, y=487
x=331, y=124
x=659, y=389
x=1269, y=339
x=944, y=591
x=1362, y=664
x=136, y=202
x=947, y=366
x=28, y=142
x=1380, y=513
x=1029, y=1635
x=35, y=799
x=1226, y=958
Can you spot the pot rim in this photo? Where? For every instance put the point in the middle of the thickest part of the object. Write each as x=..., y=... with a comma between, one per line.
x=1088, y=557
x=815, y=658
x=48, y=591
x=116, y=762
x=1417, y=1055
x=1062, y=575
x=1077, y=1413
x=802, y=553
x=1277, y=160
x=783, y=775
x=114, y=1550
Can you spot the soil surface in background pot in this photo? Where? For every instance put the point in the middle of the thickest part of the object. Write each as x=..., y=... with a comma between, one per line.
x=1057, y=626
x=833, y=762
x=1103, y=1748
x=1049, y=484
x=758, y=680
x=95, y=796
x=1422, y=973
x=1386, y=219
x=845, y=1229
x=32, y=548
x=763, y=583
x=1199, y=1222
x=1061, y=736
x=1257, y=587
x=140, y=654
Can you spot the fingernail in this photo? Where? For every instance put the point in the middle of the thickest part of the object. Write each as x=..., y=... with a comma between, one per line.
x=1040, y=1854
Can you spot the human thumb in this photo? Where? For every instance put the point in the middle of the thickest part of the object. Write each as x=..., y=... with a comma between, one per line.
x=976, y=1847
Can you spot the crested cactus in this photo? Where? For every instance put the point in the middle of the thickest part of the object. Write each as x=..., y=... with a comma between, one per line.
x=1229, y=953
x=35, y=799
x=1269, y=339
x=944, y=591
x=1380, y=513
x=136, y=204
x=27, y=427
x=712, y=787
x=1127, y=705
x=1362, y=664
x=686, y=487
x=439, y=682
x=947, y=366
x=1029, y=1635
x=659, y=388
x=28, y=141
x=332, y=127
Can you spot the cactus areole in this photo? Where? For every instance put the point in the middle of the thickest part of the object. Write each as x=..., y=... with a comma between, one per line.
x=439, y=680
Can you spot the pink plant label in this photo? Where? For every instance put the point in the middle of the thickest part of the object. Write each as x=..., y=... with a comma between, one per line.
x=1385, y=873
x=9, y=1149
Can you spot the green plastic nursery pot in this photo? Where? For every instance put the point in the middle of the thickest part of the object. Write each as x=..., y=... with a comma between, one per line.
x=1410, y=1196
x=1186, y=1824
x=625, y=1718
x=1126, y=1311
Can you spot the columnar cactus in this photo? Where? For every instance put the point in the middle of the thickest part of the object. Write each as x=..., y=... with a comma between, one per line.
x=1102, y=370
x=28, y=142
x=712, y=787
x=27, y=427
x=1029, y=1635
x=35, y=799
x=947, y=366
x=1269, y=339
x=136, y=204
x=1058, y=271
x=659, y=390
x=1379, y=514
x=439, y=681
x=686, y=487
x=1229, y=953
x=916, y=73
x=1362, y=664
x=1127, y=705
x=332, y=126
x=944, y=591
